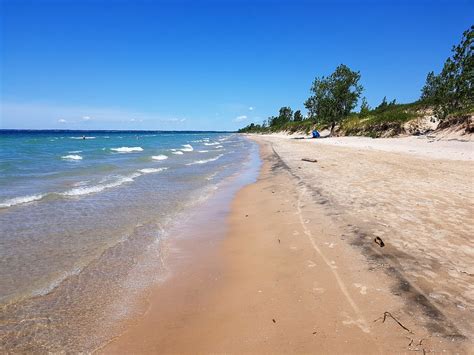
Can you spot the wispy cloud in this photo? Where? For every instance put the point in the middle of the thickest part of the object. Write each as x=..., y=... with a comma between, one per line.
x=240, y=118
x=174, y=119
x=44, y=115
x=251, y=108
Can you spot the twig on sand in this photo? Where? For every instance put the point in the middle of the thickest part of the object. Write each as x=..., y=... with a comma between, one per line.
x=388, y=314
x=310, y=160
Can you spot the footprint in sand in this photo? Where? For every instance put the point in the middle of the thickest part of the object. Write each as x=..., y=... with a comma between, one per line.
x=318, y=290
x=311, y=263
x=363, y=289
x=361, y=323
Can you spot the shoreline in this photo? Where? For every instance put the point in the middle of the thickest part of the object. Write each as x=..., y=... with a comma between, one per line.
x=291, y=275
x=87, y=308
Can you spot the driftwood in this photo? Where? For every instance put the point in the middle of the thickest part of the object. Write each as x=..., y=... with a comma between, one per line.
x=388, y=314
x=379, y=241
x=310, y=160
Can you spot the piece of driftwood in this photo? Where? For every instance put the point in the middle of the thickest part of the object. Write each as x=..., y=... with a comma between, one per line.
x=310, y=160
x=379, y=241
x=388, y=314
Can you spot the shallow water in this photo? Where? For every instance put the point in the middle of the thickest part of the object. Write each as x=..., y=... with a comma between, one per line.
x=76, y=215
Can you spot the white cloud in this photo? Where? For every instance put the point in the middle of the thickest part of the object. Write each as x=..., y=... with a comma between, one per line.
x=251, y=108
x=18, y=115
x=174, y=119
x=240, y=118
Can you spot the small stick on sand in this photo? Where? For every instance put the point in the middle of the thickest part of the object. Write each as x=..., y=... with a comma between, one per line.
x=388, y=314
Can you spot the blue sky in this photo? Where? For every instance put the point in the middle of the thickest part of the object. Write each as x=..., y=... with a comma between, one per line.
x=205, y=65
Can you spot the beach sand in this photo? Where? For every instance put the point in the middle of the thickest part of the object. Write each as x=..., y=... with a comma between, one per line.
x=296, y=268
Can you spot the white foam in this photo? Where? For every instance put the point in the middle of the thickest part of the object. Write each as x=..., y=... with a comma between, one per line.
x=75, y=151
x=178, y=152
x=218, y=146
x=71, y=157
x=205, y=160
x=159, y=157
x=151, y=170
x=127, y=149
x=78, y=191
x=187, y=148
x=203, y=151
x=56, y=283
x=20, y=200
x=213, y=143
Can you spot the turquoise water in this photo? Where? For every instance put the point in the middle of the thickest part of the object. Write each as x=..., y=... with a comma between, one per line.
x=76, y=213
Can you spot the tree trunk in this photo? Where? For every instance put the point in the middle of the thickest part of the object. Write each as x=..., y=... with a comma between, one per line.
x=333, y=124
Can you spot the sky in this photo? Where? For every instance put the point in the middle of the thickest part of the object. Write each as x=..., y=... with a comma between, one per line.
x=208, y=65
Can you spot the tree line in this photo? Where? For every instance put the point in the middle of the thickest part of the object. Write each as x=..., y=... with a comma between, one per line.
x=334, y=97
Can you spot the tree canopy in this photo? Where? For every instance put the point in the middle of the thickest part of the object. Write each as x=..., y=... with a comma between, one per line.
x=453, y=88
x=334, y=96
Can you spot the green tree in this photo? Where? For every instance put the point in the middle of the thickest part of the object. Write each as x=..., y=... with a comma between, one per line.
x=334, y=96
x=453, y=88
x=364, y=108
x=383, y=105
x=285, y=115
x=297, y=116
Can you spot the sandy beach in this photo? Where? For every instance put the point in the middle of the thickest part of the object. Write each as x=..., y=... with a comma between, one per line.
x=298, y=269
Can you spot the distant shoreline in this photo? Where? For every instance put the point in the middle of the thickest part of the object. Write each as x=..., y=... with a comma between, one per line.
x=49, y=130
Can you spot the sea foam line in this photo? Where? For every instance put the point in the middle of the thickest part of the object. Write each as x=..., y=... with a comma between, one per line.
x=151, y=170
x=71, y=157
x=79, y=191
x=127, y=149
x=159, y=157
x=187, y=148
x=205, y=160
x=20, y=200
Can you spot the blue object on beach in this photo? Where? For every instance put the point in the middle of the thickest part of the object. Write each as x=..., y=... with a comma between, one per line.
x=316, y=134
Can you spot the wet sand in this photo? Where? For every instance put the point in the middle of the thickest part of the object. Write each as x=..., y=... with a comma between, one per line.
x=297, y=269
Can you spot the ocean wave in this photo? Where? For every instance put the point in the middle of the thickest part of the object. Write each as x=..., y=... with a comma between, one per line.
x=159, y=157
x=178, y=152
x=79, y=191
x=20, y=200
x=75, y=151
x=213, y=143
x=205, y=160
x=55, y=283
x=82, y=137
x=151, y=170
x=219, y=146
x=127, y=149
x=72, y=157
x=203, y=151
x=187, y=148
